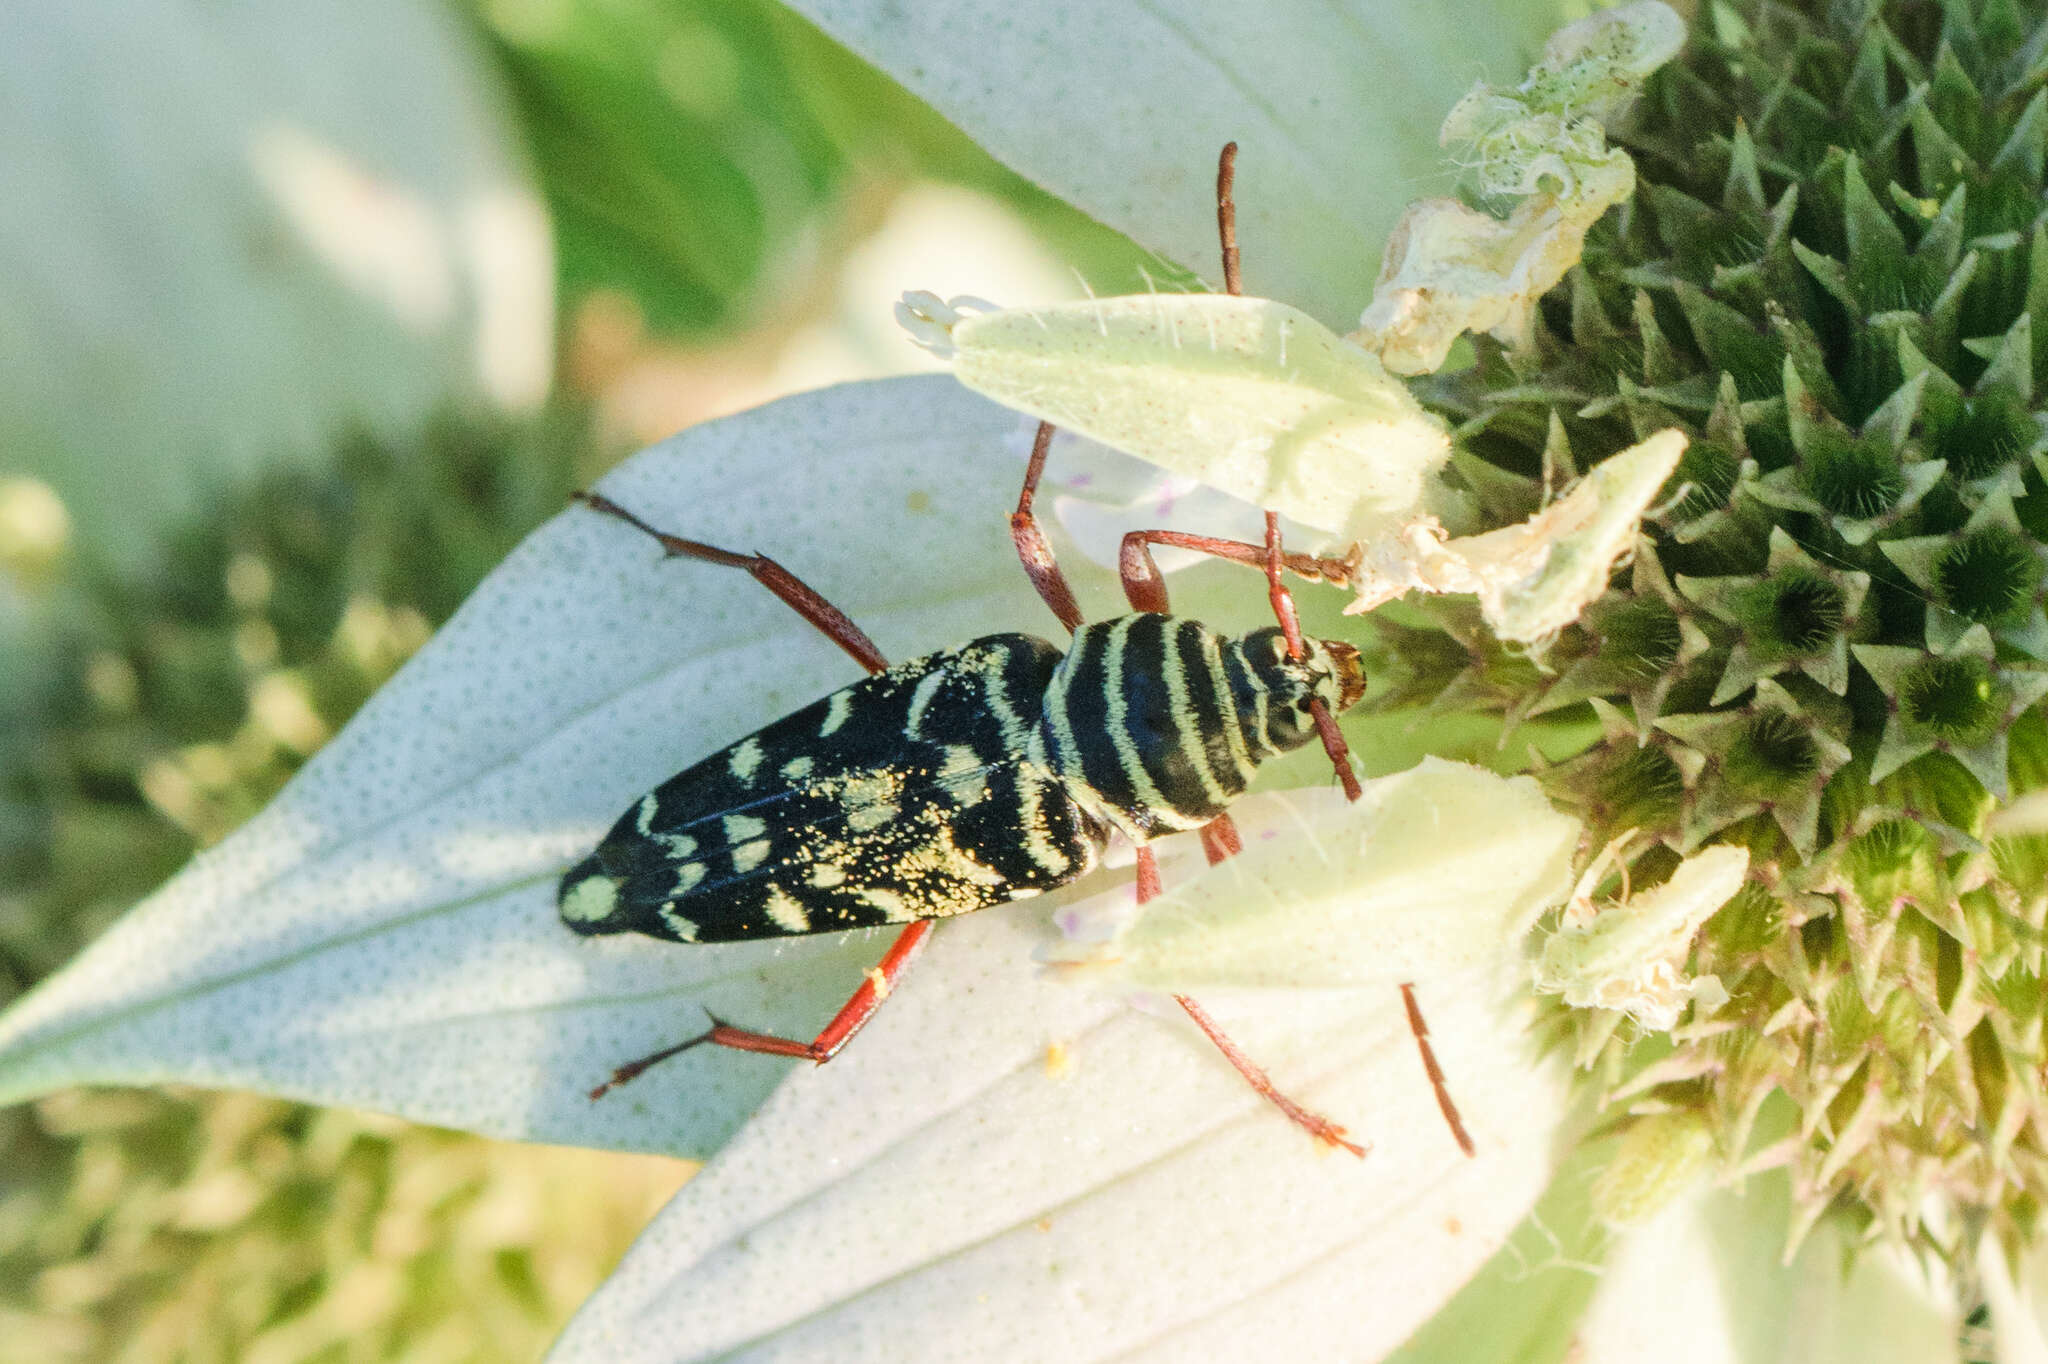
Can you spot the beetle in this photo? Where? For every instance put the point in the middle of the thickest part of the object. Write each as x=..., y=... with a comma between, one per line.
x=980, y=774
x=976, y=775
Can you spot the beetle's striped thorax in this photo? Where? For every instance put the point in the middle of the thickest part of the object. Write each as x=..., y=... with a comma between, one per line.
x=1156, y=723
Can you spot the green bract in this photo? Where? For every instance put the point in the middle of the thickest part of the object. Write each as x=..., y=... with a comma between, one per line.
x=1830, y=650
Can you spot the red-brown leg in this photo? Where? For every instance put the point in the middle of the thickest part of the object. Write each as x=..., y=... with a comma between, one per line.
x=1220, y=840
x=1149, y=884
x=836, y=626
x=1142, y=580
x=851, y=1018
x=1290, y=625
x=1226, y=216
x=801, y=598
x=1033, y=550
x=1315, y=1124
x=1435, y=1071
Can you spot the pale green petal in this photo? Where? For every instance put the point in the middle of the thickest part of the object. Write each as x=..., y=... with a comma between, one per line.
x=1436, y=870
x=1121, y=109
x=1244, y=394
x=1524, y=1306
x=384, y=934
x=1007, y=1168
x=1701, y=1283
x=234, y=233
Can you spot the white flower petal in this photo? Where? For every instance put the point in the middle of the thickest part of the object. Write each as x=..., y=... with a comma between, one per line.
x=941, y=1191
x=231, y=233
x=1701, y=1283
x=2019, y=1329
x=1121, y=111
x=384, y=934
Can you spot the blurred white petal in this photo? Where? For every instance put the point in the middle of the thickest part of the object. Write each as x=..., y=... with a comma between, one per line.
x=1122, y=110
x=2017, y=1296
x=231, y=235
x=1701, y=1283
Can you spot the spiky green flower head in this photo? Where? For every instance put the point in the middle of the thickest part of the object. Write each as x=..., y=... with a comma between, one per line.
x=1831, y=649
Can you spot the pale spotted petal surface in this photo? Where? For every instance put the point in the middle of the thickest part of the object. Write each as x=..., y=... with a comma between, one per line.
x=1121, y=109
x=1006, y=1167
x=384, y=934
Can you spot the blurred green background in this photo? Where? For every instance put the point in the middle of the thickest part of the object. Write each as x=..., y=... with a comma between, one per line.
x=286, y=366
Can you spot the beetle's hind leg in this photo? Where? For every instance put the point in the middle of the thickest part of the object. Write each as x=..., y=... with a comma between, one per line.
x=798, y=595
x=851, y=1018
x=838, y=627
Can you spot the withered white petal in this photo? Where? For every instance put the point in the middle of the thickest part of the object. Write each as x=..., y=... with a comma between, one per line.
x=1539, y=157
x=1630, y=955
